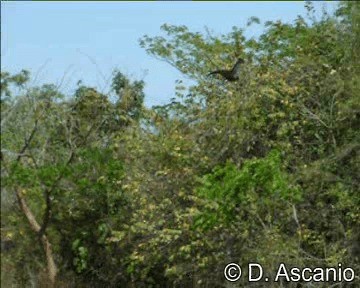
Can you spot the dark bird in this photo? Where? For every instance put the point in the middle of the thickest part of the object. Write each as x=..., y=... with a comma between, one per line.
x=232, y=74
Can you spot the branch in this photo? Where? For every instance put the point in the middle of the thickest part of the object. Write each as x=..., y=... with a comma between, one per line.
x=49, y=191
x=295, y=216
x=34, y=225
x=27, y=142
x=314, y=116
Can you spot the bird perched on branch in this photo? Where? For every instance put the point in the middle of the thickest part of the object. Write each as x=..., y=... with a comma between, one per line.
x=232, y=74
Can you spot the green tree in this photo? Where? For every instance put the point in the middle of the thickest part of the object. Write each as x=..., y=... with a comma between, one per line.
x=262, y=169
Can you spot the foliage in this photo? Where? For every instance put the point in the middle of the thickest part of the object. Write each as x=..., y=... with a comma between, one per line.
x=260, y=182
x=264, y=169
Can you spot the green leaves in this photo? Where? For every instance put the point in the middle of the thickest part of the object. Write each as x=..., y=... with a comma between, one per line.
x=233, y=189
x=262, y=169
x=7, y=80
x=81, y=256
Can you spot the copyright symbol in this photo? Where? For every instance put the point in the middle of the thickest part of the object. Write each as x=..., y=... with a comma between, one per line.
x=232, y=272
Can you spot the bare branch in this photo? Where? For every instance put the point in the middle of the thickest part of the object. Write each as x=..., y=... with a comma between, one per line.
x=27, y=141
x=314, y=116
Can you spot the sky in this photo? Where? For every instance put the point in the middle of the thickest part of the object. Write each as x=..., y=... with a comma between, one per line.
x=64, y=42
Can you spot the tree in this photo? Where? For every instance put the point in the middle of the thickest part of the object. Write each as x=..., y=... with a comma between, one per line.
x=51, y=148
x=261, y=169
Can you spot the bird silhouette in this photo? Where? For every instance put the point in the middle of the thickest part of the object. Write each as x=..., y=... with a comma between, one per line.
x=232, y=74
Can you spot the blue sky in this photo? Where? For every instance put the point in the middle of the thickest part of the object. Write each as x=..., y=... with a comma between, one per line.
x=63, y=42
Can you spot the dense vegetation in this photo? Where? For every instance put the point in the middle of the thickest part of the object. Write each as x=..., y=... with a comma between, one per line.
x=100, y=191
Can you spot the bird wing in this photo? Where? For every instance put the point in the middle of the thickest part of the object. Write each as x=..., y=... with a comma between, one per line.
x=231, y=75
x=236, y=69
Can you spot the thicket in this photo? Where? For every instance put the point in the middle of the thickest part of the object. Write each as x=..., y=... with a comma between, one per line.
x=100, y=191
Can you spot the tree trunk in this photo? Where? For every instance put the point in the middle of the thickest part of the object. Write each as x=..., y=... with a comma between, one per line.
x=34, y=225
